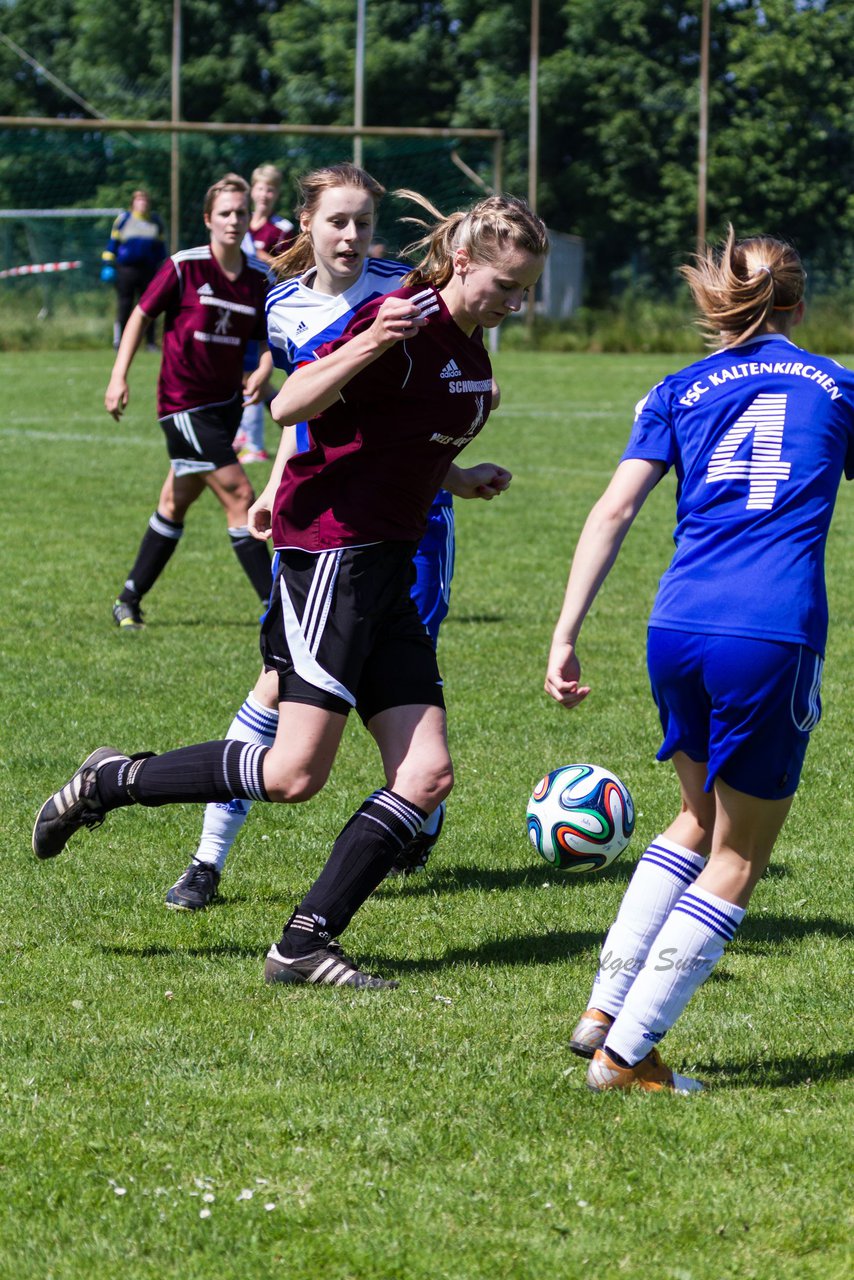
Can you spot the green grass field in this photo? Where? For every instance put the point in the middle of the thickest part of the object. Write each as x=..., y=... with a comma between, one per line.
x=165, y=1115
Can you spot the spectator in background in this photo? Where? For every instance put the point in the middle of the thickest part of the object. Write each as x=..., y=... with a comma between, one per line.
x=268, y=235
x=135, y=250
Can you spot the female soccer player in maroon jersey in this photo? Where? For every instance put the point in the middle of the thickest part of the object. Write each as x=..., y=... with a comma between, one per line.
x=392, y=402
x=213, y=301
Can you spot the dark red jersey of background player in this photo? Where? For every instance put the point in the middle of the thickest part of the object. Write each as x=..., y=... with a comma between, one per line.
x=208, y=321
x=380, y=454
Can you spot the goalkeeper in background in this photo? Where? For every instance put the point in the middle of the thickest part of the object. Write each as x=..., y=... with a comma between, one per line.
x=135, y=250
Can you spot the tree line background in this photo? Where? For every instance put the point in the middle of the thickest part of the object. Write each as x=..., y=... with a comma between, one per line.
x=619, y=101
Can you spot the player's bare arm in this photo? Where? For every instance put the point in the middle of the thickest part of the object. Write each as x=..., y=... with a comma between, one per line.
x=597, y=549
x=260, y=517
x=117, y=393
x=314, y=387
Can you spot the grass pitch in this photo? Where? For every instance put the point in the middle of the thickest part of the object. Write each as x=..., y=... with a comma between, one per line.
x=164, y=1114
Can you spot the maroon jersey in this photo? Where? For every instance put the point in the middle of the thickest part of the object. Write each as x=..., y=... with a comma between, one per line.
x=208, y=321
x=273, y=236
x=380, y=454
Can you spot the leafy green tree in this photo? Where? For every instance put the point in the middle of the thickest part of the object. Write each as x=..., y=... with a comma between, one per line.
x=618, y=92
x=782, y=149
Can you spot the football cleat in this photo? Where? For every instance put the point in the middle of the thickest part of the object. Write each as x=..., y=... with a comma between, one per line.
x=75, y=805
x=127, y=615
x=590, y=1032
x=248, y=455
x=413, y=856
x=650, y=1074
x=328, y=966
x=195, y=889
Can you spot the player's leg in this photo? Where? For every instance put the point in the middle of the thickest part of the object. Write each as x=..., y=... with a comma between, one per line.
x=234, y=491
x=434, y=569
x=765, y=701
x=145, y=275
x=292, y=770
x=431, y=592
x=164, y=532
x=255, y=721
x=667, y=867
x=250, y=437
x=385, y=665
x=674, y=858
x=419, y=775
x=691, y=942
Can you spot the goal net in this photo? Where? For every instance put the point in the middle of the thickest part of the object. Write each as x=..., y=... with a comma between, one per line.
x=60, y=189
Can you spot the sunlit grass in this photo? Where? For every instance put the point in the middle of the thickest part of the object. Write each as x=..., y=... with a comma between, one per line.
x=164, y=1114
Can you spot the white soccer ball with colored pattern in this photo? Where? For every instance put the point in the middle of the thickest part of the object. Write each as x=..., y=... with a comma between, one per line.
x=580, y=817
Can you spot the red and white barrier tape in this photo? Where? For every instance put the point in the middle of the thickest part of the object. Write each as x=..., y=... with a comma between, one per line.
x=38, y=268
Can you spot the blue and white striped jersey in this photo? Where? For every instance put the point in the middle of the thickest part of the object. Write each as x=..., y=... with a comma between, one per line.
x=299, y=319
x=760, y=436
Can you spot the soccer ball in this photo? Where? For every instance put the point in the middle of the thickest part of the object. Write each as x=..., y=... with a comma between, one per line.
x=580, y=817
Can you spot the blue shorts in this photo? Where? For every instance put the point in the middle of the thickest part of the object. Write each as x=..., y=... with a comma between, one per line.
x=434, y=568
x=746, y=707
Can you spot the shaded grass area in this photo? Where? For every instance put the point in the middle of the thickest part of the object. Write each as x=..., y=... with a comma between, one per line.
x=166, y=1115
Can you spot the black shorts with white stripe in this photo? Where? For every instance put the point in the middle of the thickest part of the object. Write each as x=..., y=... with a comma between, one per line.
x=343, y=631
x=201, y=439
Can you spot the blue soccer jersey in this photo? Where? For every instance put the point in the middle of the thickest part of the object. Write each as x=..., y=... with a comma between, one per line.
x=760, y=436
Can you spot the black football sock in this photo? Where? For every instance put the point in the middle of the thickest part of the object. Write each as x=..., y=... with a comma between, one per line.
x=254, y=561
x=360, y=860
x=155, y=551
x=211, y=772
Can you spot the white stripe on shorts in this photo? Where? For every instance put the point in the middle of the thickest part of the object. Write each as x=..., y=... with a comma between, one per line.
x=319, y=598
x=184, y=424
x=189, y=466
x=318, y=604
x=448, y=561
x=813, y=712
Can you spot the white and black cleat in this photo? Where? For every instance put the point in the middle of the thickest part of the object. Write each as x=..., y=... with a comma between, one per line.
x=328, y=966
x=75, y=805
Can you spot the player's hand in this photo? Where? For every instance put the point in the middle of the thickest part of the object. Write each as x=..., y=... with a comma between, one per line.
x=260, y=517
x=253, y=387
x=486, y=480
x=401, y=318
x=563, y=675
x=116, y=397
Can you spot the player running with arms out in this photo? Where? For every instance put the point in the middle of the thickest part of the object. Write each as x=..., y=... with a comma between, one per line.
x=212, y=298
x=326, y=276
x=342, y=630
x=760, y=434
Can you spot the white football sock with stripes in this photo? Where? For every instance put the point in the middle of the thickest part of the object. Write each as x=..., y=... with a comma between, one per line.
x=222, y=823
x=664, y=872
x=689, y=945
